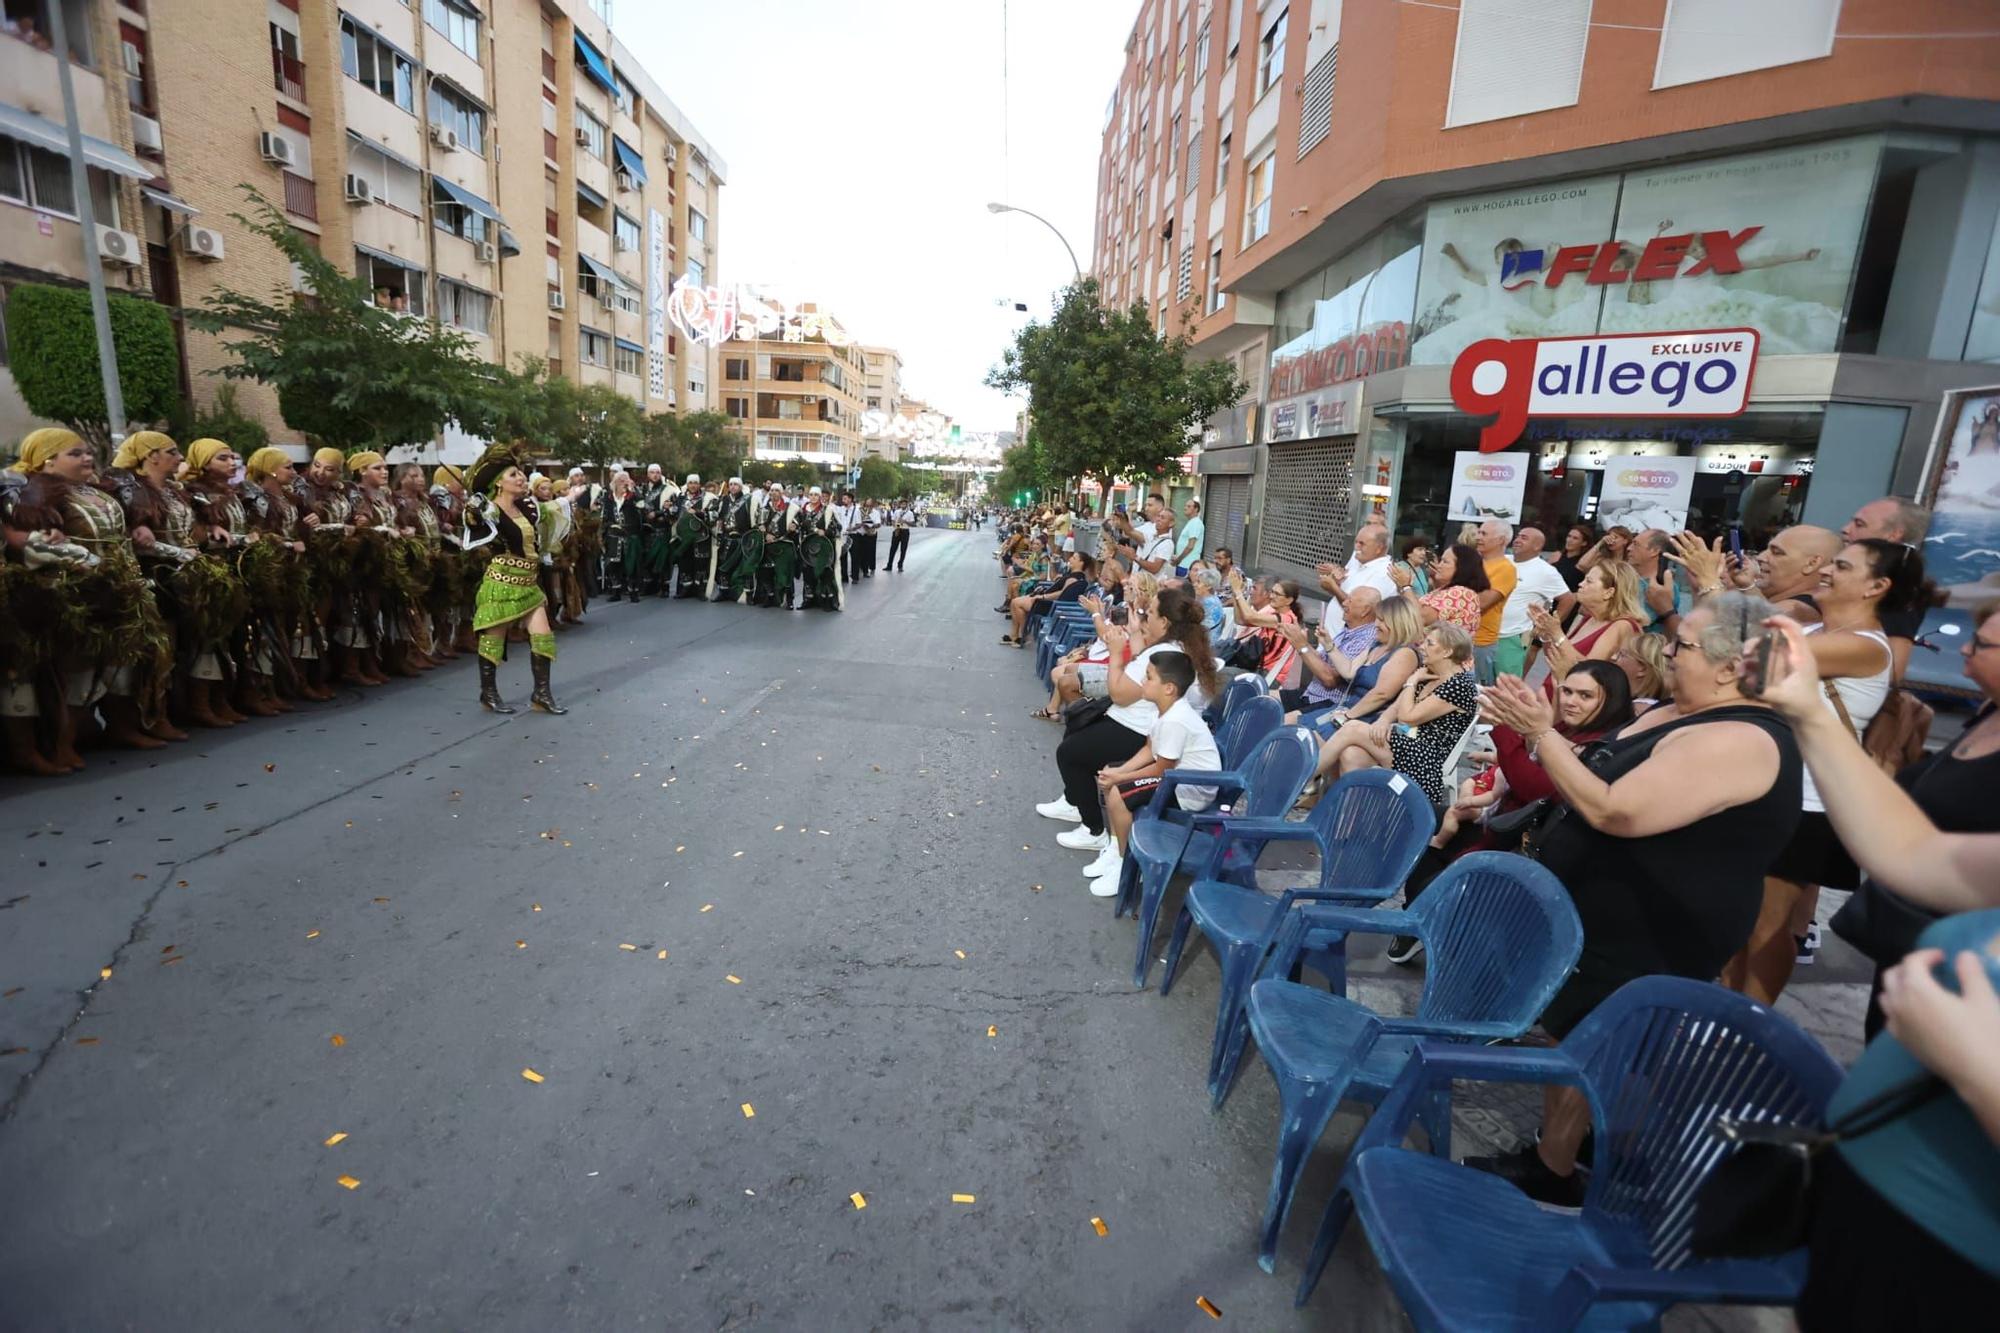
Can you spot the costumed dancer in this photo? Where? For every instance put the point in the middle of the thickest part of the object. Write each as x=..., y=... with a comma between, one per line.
x=904, y=518
x=655, y=559
x=429, y=590
x=345, y=561
x=693, y=517
x=732, y=521
x=460, y=570
x=586, y=514
x=504, y=514
x=279, y=577
x=627, y=526
x=24, y=653
x=820, y=539
x=555, y=528
x=873, y=516
x=161, y=518
x=107, y=640
x=209, y=473
x=385, y=599
x=780, y=554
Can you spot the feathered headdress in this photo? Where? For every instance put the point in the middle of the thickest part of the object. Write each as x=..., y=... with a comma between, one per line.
x=479, y=478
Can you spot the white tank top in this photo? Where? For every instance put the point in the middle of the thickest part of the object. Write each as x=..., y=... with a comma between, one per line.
x=1862, y=696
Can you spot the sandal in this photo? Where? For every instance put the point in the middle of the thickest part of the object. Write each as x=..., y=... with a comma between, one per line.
x=1046, y=715
x=1010, y=640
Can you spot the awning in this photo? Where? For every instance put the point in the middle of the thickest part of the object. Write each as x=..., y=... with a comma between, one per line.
x=508, y=245
x=385, y=257
x=590, y=196
x=629, y=345
x=166, y=199
x=595, y=65
x=465, y=198
x=460, y=89
x=628, y=158
x=597, y=269
x=392, y=155
x=31, y=128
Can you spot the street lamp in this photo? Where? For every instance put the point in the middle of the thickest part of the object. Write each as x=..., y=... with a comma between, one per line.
x=1010, y=208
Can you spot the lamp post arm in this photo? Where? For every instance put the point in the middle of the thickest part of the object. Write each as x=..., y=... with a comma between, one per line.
x=1012, y=208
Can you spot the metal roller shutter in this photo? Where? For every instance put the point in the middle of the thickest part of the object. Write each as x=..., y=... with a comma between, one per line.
x=1308, y=503
x=1223, y=509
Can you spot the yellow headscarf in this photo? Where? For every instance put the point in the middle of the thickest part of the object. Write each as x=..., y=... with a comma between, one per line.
x=139, y=446
x=445, y=473
x=365, y=459
x=199, y=455
x=330, y=458
x=39, y=446
x=266, y=461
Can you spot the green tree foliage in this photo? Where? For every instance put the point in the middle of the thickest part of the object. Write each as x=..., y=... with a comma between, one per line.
x=52, y=345
x=1024, y=470
x=527, y=403
x=604, y=426
x=223, y=420
x=1110, y=397
x=882, y=479
x=707, y=443
x=348, y=372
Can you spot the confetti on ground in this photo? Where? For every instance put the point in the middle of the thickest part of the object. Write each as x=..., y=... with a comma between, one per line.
x=708, y=907
x=520, y=944
x=336, y=1138
x=733, y=979
x=1034, y=888
x=663, y=955
x=12, y=992
x=104, y=974
x=348, y=1183
x=177, y=958
x=824, y=833
x=270, y=768
x=350, y=824
x=856, y=1199
x=749, y=1111
x=1208, y=1307
x=381, y=900
x=337, y=1039
x=992, y=1031
x=734, y=855
x=960, y=953
x=629, y=948
x=681, y=848
x=531, y=1076
x=1098, y=1224
x=87, y=1041
x=963, y=1198
x=538, y=907
x=779, y=829
x=312, y=934
x=1024, y=846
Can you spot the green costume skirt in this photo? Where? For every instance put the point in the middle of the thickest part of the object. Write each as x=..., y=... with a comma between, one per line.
x=509, y=591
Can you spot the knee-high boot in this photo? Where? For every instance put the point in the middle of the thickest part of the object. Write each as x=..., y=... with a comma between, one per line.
x=541, y=653
x=492, y=647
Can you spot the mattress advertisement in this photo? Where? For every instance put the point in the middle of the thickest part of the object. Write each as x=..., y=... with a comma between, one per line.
x=1487, y=486
x=1962, y=550
x=1641, y=493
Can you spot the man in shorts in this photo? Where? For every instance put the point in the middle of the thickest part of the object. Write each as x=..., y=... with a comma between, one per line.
x=1179, y=739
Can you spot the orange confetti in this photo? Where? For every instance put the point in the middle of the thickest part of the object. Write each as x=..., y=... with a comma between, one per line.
x=538, y=907
x=381, y=900
x=520, y=944
x=963, y=1198
x=992, y=1031
x=749, y=1111
x=336, y=1138
x=177, y=958
x=337, y=1039
x=1098, y=1224
x=104, y=974
x=1208, y=1307
x=531, y=1076
x=270, y=768
x=856, y=1199
x=88, y=1041
x=312, y=934
x=347, y=1182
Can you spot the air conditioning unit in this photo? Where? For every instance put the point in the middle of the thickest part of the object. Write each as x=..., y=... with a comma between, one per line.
x=202, y=243
x=627, y=182
x=489, y=253
x=557, y=300
x=620, y=243
x=275, y=148
x=117, y=248
x=358, y=190
x=445, y=138
x=135, y=64
x=146, y=134
x=583, y=136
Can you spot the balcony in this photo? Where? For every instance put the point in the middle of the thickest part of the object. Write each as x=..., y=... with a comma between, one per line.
x=301, y=199
x=288, y=76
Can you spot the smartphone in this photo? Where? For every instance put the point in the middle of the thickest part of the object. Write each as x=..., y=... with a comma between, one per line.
x=1735, y=541
x=1753, y=677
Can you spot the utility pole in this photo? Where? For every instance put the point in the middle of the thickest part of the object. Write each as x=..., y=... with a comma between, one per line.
x=79, y=175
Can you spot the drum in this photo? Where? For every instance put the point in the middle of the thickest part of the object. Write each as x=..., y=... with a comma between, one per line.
x=817, y=550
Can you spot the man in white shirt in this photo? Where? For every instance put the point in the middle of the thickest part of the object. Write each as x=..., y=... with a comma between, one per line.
x=1368, y=567
x=1153, y=550
x=1535, y=580
x=1178, y=738
x=903, y=517
x=873, y=516
x=849, y=514
x=1187, y=546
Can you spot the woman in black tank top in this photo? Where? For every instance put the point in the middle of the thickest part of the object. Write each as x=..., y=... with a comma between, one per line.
x=1662, y=844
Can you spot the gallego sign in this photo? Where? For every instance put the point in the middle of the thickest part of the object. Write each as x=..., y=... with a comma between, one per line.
x=1702, y=373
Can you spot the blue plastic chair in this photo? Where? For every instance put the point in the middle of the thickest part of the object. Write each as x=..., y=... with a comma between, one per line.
x=1249, y=724
x=1506, y=935
x=1234, y=694
x=1165, y=837
x=1659, y=1061
x=1369, y=830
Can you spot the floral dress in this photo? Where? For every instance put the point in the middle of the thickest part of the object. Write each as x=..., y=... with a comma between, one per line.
x=1456, y=605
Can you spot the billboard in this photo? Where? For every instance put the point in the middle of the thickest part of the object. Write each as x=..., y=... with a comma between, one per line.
x=1641, y=493
x=1962, y=550
x=656, y=304
x=1487, y=486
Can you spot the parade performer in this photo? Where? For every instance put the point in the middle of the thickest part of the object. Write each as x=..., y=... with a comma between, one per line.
x=732, y=523
x=586, y=515
x=504, y=514
x=627, y=522
x=344, y=560
x=429, y=589
x=107, y=641
x=849, y=514
x=555, y=531
x=873, y=516
x=401, y=579
x=213, y=601
x=162, y=522
x=820, y=538
x=655, y=559
x=693, y=516
x=778, y=559
x=457, y=578
x=904, y=517
x=278, y=577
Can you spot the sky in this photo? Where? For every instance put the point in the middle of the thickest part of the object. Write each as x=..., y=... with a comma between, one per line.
x=864, y=139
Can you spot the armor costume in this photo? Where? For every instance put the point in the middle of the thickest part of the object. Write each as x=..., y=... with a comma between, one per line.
x=656, y=567
x=819, y=533
x=726, y=578
x=692, y=516
x=779, y=553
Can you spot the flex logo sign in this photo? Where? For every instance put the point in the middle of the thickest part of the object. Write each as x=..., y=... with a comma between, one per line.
x=1699, y=374
x=1712, y=252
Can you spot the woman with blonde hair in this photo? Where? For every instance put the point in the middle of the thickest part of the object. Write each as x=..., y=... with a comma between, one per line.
x=1611, y=614
x=1376, y=677
x=222, y=603
x=278, y=576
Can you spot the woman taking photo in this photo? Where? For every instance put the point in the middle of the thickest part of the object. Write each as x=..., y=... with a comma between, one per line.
x=1851, y=655
x=1370, y=682
x=1662, y=845
x=1457, y=579
x=510, y=592
x=1277, y=659
x=1419, y=731
x=1609, y=602
x=1906, y=1224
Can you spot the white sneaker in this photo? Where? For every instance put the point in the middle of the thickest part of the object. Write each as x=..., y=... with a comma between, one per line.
x=1059, y=808
x=1082, y=839
x=1107, y=860
x=1106, y=884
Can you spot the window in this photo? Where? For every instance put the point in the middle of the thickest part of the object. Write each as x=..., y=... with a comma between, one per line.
x=1184, y=278
x=736, y=368
x=601, y=8
x=624, y=232
x=41, y=180
x=460, y=114
x=375, y=64
x=590, y=133
x=1222, y=164
x=459, y=23
x=624, y=94
x=464, y=307
x=1174, y=144
x=1193, y=164
x=1257, y=203
x=697, y=227
x=1707, y=39
x=1201, y=53
x=394, y=286
x=29, y=20
x=135, y=77
x=1495, y=44
x=1214, y=301
x=593, y=348
x=448, y=215
x=697, y=273
x=737, y=407
x=1235, y=33
x=696, y=387
x=1271, y=54
x=394, y=184
x=625, y=360
x=624, y=298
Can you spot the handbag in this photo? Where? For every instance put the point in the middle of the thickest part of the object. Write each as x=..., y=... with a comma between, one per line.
x=1881, y=923
x=1758, y=1203
x=1082, y=712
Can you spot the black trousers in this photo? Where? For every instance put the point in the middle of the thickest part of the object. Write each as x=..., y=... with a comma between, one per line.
x=899, y=546
x=850, y=559
x=1083, y=752
x=869, y=543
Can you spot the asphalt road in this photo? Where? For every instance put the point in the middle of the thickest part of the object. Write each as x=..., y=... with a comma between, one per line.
x=370, y=918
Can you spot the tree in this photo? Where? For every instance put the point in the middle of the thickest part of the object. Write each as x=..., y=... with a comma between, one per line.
x=604, y=426
x=1021, y=473
x=523, y=404
x=225, y=420
x=708, y=443
x=348, y=372
x=881, y=479
x=52, y=342
x=1110, y=396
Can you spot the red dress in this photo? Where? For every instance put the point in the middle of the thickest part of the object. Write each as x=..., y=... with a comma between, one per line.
x=1583, y=643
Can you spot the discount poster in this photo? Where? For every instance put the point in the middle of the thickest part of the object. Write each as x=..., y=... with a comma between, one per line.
x=1487, y=486
x=1642, y=493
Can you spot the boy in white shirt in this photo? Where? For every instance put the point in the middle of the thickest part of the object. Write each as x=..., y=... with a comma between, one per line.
x=1179, y=739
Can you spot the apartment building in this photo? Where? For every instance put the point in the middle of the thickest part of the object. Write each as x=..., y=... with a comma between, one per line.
x=799, y=393
x=402, y=138
x=883, y=394
x=1344, y=198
